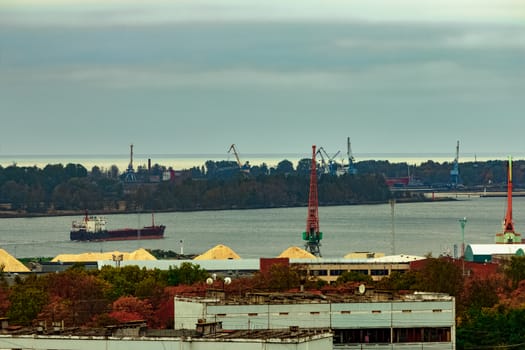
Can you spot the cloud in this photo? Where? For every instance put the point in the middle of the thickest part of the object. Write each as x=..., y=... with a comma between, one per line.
x=140, y=13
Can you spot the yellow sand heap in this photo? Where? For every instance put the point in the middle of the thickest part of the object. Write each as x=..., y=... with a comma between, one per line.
x=11, y=264
x=139, y=254
x=219, y=252
x=296, y=253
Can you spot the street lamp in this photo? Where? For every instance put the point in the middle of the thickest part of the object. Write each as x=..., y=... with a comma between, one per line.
x=463, y=222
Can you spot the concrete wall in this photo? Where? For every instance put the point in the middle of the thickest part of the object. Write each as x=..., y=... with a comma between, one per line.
x=402, y=314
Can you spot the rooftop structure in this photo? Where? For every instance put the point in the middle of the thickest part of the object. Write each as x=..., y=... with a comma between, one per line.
x=195, y=339
x=482, y=253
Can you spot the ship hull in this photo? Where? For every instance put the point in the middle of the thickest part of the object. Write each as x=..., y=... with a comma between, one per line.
x=148, y=232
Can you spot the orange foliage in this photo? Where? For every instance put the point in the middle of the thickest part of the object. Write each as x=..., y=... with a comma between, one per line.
x=127, y=309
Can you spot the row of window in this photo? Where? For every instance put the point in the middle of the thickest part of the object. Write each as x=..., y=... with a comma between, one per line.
x=338, y=272
x=399, y=335
x=343, y=312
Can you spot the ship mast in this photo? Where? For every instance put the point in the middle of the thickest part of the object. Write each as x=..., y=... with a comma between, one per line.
x=312, y=236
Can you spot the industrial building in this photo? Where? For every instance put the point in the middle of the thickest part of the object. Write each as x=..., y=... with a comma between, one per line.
x=483, y=253
x=286, y=339
x=326, y=269
x=366, y=319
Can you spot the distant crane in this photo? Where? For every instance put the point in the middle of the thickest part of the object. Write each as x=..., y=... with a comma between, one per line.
x=331, y=166
x=454, y=173
x=244, y=168
x=312, y=235
x=130, y=173
x=351, y=167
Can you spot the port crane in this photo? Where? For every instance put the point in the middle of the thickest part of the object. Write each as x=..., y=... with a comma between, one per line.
x=130, y=173
x=454, y=173
x=509, y=235
x=329, y=167
x=312, y=235
x=244, y=168
x=351, y=167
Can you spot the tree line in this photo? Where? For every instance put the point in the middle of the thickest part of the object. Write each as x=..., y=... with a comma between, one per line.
x=223, y=185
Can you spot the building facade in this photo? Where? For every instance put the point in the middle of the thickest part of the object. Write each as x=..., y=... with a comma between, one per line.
x=416, y=321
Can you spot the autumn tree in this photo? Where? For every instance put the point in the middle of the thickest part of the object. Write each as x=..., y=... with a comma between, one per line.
x=128, y=308
x=76, y=297
x=515, y=270
x=440, y=275
x=280, y=277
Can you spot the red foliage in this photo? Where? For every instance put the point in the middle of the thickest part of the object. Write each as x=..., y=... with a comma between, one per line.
x=516, y=298
x=127, y=309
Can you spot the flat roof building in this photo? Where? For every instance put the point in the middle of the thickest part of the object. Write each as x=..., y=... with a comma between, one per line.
x=386, y=321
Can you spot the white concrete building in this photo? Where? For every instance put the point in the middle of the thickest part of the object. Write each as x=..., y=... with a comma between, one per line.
x=416, y=321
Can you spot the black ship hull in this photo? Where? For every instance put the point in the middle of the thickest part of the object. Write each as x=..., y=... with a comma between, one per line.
x=147, y=232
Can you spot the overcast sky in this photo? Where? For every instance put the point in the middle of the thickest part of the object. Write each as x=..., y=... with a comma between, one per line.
x=272, y=76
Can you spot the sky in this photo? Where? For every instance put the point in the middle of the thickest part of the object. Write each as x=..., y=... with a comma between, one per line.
x=273, y=77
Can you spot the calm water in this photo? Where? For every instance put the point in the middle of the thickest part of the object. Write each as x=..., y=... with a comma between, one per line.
x=419, y=228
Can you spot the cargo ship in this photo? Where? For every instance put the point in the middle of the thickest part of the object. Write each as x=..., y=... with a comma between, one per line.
x=93, y=228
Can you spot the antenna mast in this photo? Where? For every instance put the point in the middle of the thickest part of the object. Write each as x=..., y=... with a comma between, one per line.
x=312, y=236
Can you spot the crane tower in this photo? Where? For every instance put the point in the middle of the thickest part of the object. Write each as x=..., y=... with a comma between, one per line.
x=509, y=235
x=130, y=173
x=454, y=173
x=312, y=235
x=351, y=167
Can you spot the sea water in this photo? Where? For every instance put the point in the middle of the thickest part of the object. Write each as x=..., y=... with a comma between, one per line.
x=404, y=228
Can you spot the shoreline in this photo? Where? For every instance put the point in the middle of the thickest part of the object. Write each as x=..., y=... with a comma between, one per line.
x=18, y=214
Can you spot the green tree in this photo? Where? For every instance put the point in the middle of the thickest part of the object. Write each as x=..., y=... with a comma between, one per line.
x=27, y=298
x=284, y=167
x=186, y=273
x=353, y=276
x=515, y=270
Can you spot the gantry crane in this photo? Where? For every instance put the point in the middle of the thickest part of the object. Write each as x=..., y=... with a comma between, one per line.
x=312, y=235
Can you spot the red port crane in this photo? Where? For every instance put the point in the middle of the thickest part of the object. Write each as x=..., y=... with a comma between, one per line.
x=312, y=235
x=509, y=235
